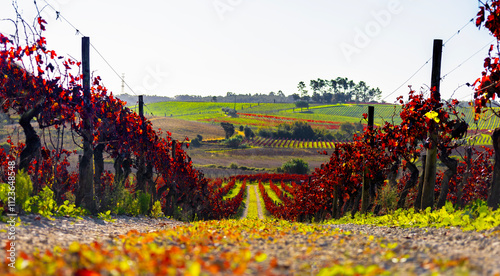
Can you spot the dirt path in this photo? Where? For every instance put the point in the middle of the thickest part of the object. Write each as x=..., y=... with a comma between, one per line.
x=259, y=206
x=253, y=189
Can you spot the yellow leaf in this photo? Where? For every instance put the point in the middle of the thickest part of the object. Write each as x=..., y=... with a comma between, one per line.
x=194, y=269
x=21, y=263
x=260, y=257
x=124, y=265
x=247, y=255
x=433, y=115
x=74, y=247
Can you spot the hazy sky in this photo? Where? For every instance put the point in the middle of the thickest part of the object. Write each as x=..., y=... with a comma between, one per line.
x=210, y=47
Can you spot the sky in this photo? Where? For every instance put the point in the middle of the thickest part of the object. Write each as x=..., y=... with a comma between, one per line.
x=211, y=47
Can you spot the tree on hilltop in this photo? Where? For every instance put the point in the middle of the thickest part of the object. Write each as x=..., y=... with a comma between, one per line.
x=228, y=129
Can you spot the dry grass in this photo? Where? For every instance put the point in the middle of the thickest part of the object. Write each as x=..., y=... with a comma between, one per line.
x=267, y=158
x=182, y=128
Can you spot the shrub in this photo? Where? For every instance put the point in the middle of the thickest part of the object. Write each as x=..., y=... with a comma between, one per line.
x=24, y=188
x=144, y=202
x=241, y=128
x=106, y=216
x=70, y=209
x=228, y=129
x=196, y=143
x=297, y=130
x=233, y=166
x=4, y=195
x=295, y=166
x=234, y=142
x=120, y=197
x=122, y=201
x=388, y=197
x=70, y=197
x=324, y=134
x=131, y=205
x=265, y=133
x=43, y=203
x=199, y=137
x=302, y=130
x=302, y=104
x=248, y=133
x=156, y=210
x=134, y=205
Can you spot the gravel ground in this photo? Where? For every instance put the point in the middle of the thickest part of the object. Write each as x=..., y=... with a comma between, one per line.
x=411, y=251
x=38, y=233
x=428, y=247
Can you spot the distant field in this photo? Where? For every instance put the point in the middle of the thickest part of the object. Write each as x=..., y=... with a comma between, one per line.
x=318, y=115
x=382, y=112
x=182, y=128
x=202, y=110
x=212, y=112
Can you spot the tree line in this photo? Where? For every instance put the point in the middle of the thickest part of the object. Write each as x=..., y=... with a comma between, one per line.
x=339, y=90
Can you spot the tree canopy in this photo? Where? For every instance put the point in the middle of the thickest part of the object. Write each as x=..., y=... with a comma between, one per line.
x=339, y=90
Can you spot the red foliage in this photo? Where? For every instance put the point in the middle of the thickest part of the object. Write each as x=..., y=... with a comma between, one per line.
x=488, y=86
x=35, y=78
x=478, y=182
x=277, y=210
x=226, y=208
x=372, y=154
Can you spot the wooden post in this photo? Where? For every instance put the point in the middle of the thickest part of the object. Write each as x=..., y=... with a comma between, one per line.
x=141, y=164
x=174, y=146
x=365, y=191
x=141, y=107
x=430, y=165
x=85, y=191
x=371, y=116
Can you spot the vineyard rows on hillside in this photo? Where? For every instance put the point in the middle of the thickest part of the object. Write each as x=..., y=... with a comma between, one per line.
x=290, y=143
x=269, y=114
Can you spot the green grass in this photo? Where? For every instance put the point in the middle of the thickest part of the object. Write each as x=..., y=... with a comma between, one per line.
x=203, y=110
x=342, y=111
x=266, y=107
x=253, y=212
x=476, y=216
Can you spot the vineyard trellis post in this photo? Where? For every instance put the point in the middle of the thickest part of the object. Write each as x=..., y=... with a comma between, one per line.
x=85, y=191
x=365, y=190
x=430, y=165
x=141, y=162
